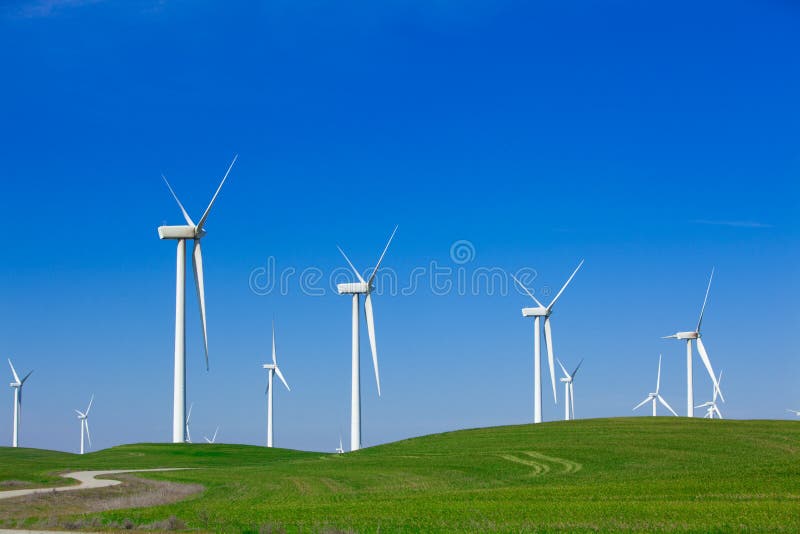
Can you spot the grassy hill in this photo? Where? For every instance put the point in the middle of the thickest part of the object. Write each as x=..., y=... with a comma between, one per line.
x=634, y=474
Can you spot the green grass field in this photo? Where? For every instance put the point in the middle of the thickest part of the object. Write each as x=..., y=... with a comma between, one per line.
x=634, y=474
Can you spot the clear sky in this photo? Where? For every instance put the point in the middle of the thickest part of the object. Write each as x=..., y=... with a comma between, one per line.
x=654, y=140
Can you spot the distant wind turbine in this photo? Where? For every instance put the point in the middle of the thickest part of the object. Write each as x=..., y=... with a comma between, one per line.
x=362, y=287
x=655, y=396
x=16, y=385
x=213, y=438
x=188, y=419
x=195, y=232
x=273, y=370
x=701, y=349
x=340, y=449
x=83, y=417
x=569, y=390
x=711, y=406
x=537, y=313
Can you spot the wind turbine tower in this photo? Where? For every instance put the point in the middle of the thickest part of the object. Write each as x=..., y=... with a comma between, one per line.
x=537, y=313
x=356, y=289
x=273, y=370
x=16, y=385
x=182, y=233
x=696, y=336
x=83, y=417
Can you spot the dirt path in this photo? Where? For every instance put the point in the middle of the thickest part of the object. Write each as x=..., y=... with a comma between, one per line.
x=87, y=481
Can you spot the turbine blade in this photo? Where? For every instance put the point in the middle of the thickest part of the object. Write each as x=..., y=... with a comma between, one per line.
x=716, y=388
x=575, y=372
x=186, y=217
x=572, y=398
x=530, y=294
x=350, y=263
x=26, y=377
x=214, y=198
x=378, y=265
x=566, y=374
x=88, y=434
x=274, y=353
x=548, y=337
x=189, y=415
x=81, y=414
x=704, y=356
x=214, y=439
x=705, y=300
x=280, y=375
x=550, y=307
x=658, y=380
x=13, y=371
x=371, y=332
x=719, y=414
x=90, y=404
x=662, y=401
x=641, y=403
x=197, y=265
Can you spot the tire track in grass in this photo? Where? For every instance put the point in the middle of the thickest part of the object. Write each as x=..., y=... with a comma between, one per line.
x=569, y=465
x=540, y=463
x=539, y=469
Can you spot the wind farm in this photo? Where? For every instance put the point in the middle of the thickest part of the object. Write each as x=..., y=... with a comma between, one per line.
x=448, y=244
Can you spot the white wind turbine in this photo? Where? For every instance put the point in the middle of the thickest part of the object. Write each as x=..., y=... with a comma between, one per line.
x=340, y=448
x=188, y=419
x=16, y=385
x=213, y=438
x=711, y=406
x=195, y=232
x=273, y=370
x=362, y=287
x=569, y=390
x=83, y=417
x=655, y=396
x=537, y=313
x=701, y=349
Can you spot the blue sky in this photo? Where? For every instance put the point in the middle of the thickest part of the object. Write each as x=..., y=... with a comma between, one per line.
x=655, y=141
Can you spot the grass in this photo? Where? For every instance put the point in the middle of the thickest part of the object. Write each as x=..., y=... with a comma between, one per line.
x=633, y=474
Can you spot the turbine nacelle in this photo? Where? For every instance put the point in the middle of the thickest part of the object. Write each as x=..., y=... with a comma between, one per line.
x=684, y=335
x=354, y=288
x=269, y=366
x=539, y=311
x=180, y=232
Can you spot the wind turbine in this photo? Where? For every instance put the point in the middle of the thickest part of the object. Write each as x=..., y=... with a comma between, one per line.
x=16, y=385
x=273, y=370
x=83, y=417
x=653, y=397
x=362, y=287
x=569, y=391
x=701, y=349
x=213, y=438
x=537, y=313
x=340, y=449
x=711, y=406
x=796, y=412
x=189, y=418
x=195, y=232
